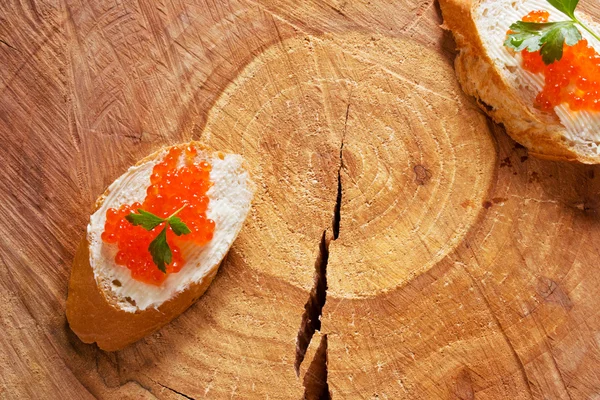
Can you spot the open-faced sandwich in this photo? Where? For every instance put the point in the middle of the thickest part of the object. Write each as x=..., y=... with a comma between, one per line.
x=534, y=66
x=155, y=242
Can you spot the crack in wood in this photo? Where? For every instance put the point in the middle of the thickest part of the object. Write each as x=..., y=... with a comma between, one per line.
x=337, y=211
x=168, y=388
x=315, y=379
x=311, y=318
x=8, y=44
x=176, y=392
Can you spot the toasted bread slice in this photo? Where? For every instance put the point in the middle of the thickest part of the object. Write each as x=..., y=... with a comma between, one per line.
x=105, y=304
x=505, y=91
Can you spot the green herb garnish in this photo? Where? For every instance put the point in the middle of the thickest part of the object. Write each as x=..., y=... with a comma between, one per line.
x=548, y=37
x=159, y=248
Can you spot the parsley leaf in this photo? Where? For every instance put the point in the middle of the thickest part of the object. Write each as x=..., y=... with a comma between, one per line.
x=548, y=38
x=159, y=247
x=146, y=219
x=160, y=250
x=178, y=227
x=553, y=49
x=565, y=6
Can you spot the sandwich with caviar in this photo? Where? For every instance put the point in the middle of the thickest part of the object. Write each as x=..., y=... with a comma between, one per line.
x=155, y=241
x=534, y=66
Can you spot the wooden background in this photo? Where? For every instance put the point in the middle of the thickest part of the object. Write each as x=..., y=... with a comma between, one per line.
x=456, y=266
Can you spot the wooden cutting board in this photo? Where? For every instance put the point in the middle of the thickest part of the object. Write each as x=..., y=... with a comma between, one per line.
x=400, y=246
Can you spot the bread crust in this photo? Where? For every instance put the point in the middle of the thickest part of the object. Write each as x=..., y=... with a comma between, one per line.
x=95, y=318
x=540, y=132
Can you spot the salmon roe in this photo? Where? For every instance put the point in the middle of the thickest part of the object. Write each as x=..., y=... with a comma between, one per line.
x=171, y=187
x=574, y=79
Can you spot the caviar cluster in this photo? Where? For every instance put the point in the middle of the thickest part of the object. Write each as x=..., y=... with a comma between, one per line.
x=574, y=79
x=171, y=187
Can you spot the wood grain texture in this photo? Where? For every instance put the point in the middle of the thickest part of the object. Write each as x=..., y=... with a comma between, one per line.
x=457, y=266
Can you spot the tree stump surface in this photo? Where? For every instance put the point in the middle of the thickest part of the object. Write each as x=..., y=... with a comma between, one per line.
x=400, y=245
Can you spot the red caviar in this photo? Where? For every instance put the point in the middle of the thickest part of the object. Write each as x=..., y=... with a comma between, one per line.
x=574, y=79
x=537, y=16
x=171, y=187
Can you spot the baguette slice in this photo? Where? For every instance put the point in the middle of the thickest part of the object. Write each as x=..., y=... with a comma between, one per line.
x=505, y=91
x=105, y=305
